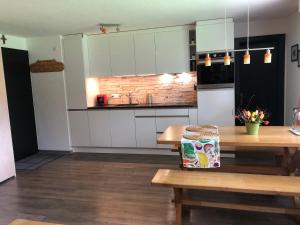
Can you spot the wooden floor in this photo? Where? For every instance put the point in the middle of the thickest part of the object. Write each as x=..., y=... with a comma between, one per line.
x=104, y=189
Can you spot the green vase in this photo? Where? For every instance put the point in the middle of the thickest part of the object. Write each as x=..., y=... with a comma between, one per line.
x=252, y=128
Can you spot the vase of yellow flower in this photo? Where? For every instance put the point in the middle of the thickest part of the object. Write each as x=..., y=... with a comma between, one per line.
x=252, y=120
x=252, y=128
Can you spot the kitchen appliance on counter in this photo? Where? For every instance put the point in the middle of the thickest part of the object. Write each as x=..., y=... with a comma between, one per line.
x=217, y=75
x=101, y=100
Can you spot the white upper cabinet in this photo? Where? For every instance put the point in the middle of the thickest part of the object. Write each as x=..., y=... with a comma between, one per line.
x=122, y=53
x=75, y=70
x=210, y=35
x=171, y=50
x=99, y=55
x=144, y=46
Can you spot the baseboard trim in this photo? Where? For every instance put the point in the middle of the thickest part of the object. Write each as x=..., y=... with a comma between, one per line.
x=143, y=151
x=125, y=151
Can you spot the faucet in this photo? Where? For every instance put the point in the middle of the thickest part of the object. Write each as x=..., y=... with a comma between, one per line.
x=129, y=95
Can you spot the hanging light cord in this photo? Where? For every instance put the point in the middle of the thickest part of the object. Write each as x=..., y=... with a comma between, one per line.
x=225, y=28
x=248, y=33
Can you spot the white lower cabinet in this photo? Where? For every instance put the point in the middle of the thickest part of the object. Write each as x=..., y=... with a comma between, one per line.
x=162, y=123
x=145, y=132
x=216, y=106
x=79, y=128
x=122, y=128
x=99, y=123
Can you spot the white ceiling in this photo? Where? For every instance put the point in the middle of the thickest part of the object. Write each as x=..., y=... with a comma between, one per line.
x=49, y=17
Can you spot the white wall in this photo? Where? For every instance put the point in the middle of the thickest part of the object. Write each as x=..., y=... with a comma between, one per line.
x=292, y=70
x=14, y=42
x=257, y=28
x=7, y=163
x=49, y=96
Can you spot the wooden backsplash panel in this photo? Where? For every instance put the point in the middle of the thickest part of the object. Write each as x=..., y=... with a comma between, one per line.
x=162, y=92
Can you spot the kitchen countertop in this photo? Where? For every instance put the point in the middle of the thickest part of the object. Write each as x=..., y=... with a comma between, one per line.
x=145, y=106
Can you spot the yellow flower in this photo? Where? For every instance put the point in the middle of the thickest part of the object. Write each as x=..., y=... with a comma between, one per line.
x=248, y=113
x=253, y=114
x=261, y=116
x=253, y=119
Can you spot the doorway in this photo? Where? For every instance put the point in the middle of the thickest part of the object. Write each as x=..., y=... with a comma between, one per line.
x=20, y=102
x=261, y=82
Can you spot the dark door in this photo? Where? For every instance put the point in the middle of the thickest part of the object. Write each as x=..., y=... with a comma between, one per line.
x=265, y=82
x=20, y=103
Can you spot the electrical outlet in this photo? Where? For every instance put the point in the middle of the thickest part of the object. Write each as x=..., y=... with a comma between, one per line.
x=115, y=96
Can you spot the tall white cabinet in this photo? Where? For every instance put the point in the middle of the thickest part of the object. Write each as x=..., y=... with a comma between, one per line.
x=216, y=106
x=75, y=58
x=7, y=163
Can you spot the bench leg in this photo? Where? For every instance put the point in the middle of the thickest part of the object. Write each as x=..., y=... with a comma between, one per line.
x=293, y=165
x=178, y=205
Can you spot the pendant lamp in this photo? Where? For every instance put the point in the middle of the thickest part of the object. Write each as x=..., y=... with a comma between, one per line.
x=268, y=56
x=227, y=59
x=207, y=60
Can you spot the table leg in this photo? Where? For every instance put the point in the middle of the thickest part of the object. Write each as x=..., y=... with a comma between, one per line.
x=285, y=161
x=178, y=205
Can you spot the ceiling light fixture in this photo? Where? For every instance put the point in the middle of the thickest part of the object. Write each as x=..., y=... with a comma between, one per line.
x=103, y=29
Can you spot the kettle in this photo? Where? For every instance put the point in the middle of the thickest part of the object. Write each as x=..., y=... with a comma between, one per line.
x=296, y=119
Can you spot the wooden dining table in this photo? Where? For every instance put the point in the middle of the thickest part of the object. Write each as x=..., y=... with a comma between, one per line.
x=234, y=138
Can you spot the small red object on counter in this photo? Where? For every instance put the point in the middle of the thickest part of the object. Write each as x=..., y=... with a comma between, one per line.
x=101, y=100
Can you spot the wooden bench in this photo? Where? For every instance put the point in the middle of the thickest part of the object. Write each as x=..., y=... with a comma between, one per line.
x=228, y=182
x=30, y=222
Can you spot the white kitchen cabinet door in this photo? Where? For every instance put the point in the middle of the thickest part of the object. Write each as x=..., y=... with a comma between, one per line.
x=171, y=51
x=99, y=56
x=210, y=35
x=122, y=128
x=145, y=132
x=144, y=46
x=193, y=116
x=162, y=123
x=122, y=53
x=75, y=71
x=172, y=112
x=79, y=128
x=99, y=123
x=216, y=106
